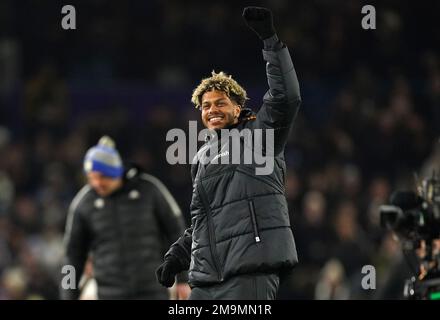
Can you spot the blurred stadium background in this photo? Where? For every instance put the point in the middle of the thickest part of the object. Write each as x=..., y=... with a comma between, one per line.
x=370, y=118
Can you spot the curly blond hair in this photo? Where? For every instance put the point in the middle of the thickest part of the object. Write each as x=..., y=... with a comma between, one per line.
x=221, y=82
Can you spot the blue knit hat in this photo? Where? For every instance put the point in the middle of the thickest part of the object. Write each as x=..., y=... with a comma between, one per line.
x=104, y=158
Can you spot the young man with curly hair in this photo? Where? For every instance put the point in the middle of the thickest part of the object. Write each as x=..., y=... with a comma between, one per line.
x=240, y=240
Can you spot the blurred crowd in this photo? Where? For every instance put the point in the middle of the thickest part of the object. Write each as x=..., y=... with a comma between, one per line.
x=369, y=120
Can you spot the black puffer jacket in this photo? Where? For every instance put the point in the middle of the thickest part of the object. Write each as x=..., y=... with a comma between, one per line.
x=240, y=220
x=127, y=234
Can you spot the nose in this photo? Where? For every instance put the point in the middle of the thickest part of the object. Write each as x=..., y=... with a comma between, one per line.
x=212, y=109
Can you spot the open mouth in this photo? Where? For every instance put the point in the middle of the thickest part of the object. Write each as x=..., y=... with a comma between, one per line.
x=215, y=119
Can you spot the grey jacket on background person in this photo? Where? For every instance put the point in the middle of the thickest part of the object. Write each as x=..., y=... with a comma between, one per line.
x=126, y=233
x=240, y=220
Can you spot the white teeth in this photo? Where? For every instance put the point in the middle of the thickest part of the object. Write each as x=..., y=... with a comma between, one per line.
x=215, y=119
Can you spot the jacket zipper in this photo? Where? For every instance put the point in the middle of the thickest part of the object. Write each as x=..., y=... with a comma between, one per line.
x=254, y=220
x=211, y=232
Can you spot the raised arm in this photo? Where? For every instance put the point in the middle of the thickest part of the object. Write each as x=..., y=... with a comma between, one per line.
x=281, y=102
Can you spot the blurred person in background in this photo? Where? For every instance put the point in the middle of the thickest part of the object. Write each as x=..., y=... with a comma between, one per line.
x=240, y=241
x=313, y=241
x=332, y=284
x=351, y=246
x=123, y=218
x=46, y=103
x=392, y=269
x=13, y=283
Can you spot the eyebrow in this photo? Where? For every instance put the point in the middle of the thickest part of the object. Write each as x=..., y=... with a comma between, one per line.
x=218, y=100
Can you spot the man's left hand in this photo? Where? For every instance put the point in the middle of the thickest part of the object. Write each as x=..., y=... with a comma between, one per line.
x=260, y=20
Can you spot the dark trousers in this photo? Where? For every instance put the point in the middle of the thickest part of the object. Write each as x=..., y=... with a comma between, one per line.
x=243, y=287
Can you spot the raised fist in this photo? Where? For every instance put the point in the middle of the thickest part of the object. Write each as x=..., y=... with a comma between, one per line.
x=260, y=20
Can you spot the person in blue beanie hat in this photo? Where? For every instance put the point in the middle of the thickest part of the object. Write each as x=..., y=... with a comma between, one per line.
x=122, y=221
x=103, y=167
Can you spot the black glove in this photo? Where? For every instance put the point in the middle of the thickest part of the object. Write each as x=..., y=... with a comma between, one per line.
x=259, y=20
x=167, y=271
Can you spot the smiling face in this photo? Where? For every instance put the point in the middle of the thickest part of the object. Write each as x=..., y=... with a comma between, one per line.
x=218, y=110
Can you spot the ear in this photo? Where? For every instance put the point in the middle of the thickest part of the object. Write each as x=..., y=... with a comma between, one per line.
x=237, y=111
